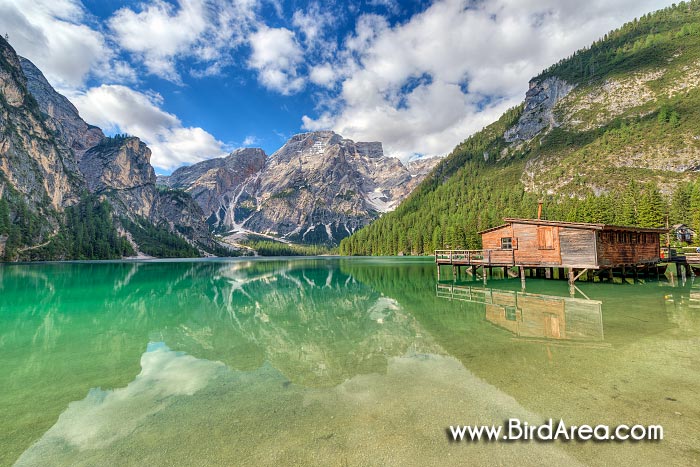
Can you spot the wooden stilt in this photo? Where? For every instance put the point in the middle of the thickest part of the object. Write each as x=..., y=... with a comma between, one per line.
x=522, y=277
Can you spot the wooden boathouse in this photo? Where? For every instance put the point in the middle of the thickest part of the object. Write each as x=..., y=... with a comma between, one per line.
x=545, y=245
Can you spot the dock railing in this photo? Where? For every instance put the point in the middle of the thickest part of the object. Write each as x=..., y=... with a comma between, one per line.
x=475, y=257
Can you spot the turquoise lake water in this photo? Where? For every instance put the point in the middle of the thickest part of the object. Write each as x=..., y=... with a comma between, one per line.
x=328, y=361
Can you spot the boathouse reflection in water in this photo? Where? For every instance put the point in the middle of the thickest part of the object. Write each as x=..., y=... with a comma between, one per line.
x=533, y=316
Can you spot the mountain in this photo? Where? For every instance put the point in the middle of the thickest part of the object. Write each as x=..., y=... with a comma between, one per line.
x=67, y=191
x=318, y=188
x=610, y=134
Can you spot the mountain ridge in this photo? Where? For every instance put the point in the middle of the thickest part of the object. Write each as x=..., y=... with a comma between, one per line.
x=317, y=188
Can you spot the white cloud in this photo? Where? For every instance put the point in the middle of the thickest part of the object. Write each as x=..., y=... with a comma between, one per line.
x=323, y=75
x=119, y=108
x=160, y=33
x=425, y=85
x=251, y=140
x=315, y=24
x=275, y=56
x=55, y=36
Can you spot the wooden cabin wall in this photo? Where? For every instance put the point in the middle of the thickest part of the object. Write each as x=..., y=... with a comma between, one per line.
x=492, y=240
x=614, y=253
x=529, y=252
x=578, y=248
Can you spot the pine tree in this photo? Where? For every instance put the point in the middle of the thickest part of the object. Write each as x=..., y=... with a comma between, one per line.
x=651, y=208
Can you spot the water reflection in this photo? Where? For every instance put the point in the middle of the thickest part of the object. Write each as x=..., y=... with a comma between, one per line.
x=530, y=315
x=338, y=361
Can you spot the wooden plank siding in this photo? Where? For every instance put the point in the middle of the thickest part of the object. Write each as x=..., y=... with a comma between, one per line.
x=491, y=240
x=617, y=248
x=578, y=247
x=532, y=248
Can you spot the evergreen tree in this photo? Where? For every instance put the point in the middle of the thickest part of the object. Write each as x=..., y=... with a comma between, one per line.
x=652, y=211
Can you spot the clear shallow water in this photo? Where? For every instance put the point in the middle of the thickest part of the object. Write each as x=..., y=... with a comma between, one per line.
x=333, y=362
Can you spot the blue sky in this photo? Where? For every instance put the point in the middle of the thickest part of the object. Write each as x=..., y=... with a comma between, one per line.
x=198, y=78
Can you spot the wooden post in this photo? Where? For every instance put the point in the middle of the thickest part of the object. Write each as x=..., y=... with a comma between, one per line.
x=438, y=271
x=571, y=276
x=682, y=266
x=454, y=272
x=522, y=277
x=548, y=273
x=624, y=275
x=636, y=274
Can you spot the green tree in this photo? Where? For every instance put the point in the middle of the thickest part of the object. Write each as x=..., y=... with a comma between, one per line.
x=652, y=211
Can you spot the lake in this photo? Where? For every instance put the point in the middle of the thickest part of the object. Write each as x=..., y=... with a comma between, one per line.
x=327, y=361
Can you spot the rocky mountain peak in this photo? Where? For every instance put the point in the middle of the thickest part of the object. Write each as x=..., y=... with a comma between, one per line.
x=317, y=188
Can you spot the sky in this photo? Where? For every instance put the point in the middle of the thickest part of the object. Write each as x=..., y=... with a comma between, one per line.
x=196, y=79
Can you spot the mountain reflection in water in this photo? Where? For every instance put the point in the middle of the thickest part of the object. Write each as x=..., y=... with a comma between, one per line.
x=331, y=361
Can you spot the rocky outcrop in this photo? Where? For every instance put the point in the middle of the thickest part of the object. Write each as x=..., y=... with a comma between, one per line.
x=318, y=188
x=538, y=113
x=216, y=184
x=120, y=169
x=75, y=132
x=33, y=163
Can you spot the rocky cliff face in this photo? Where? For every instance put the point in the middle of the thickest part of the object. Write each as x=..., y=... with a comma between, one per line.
x=217, y=184
x=34, y=164
x=121, y=170
x=538, y=114
x=318, y=188
x=49, y=156
x=72, y=129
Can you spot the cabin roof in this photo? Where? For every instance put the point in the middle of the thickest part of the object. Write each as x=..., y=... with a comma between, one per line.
x=492, y=228
x=574, y=225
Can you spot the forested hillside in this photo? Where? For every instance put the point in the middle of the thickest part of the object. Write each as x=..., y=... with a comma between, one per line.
x=611, y=134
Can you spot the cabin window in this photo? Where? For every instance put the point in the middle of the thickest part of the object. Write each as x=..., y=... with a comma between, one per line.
x=506, y=243
x=545, y=238
x=511, y=313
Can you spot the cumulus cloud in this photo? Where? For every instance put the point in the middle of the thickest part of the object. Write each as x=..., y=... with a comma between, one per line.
x=275, y=56
x=119, y=108
x=160, y=33
x=424, y=85
x=55, y=35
